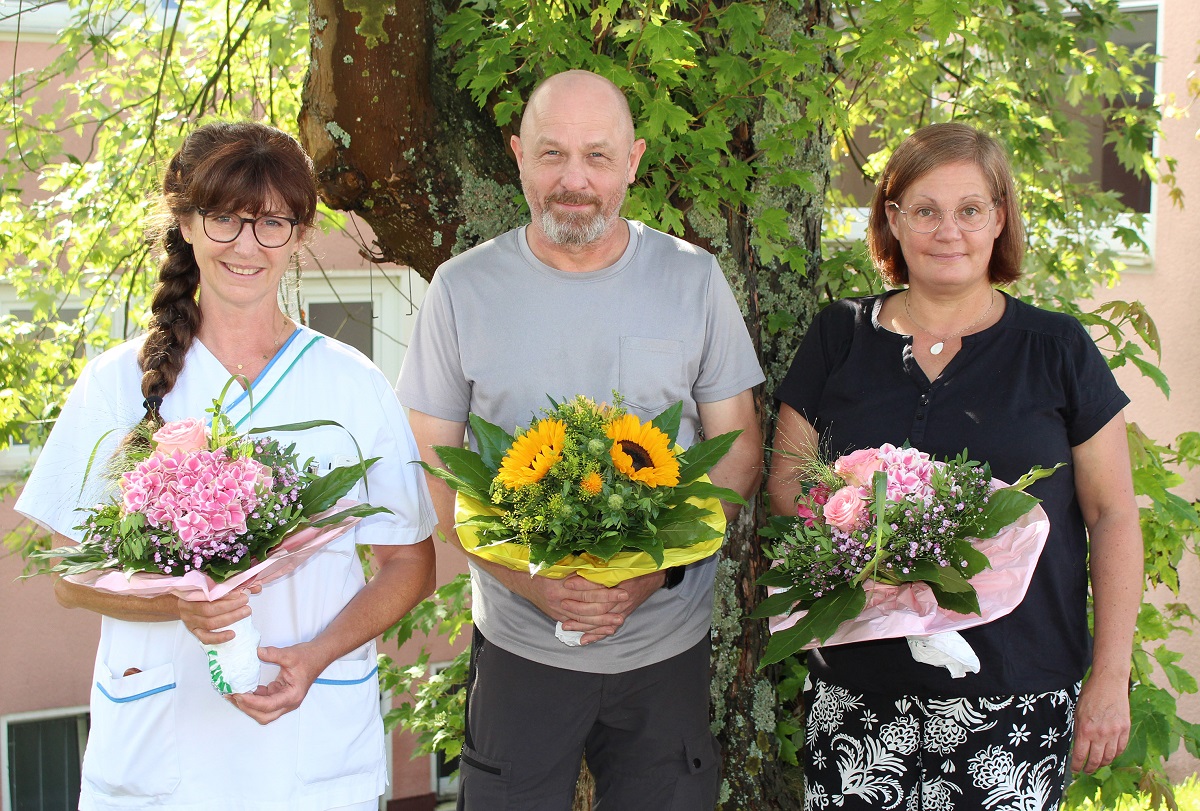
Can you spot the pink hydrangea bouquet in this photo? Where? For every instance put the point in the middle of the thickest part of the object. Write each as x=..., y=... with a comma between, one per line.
x=196, y=508
x=884, y=520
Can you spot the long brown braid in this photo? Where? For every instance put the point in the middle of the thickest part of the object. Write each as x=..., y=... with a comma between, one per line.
x=227, y=167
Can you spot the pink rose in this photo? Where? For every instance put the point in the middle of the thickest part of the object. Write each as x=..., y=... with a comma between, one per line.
x=845, y=509
x=182, y=435
x=857, y=468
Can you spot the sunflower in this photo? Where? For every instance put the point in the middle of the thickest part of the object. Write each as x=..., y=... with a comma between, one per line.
x=532, y=454
x=642, y=452
x=591, y=484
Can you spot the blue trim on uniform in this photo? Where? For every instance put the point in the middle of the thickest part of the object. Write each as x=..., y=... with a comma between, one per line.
x=246, y=393
x=127, y=699
x=348, y=682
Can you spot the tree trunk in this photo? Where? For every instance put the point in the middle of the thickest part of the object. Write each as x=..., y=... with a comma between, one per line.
x=395, y=141
x=745, y=702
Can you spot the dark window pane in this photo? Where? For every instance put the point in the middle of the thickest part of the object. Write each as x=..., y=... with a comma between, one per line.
x=43, y=763
x=348, y=321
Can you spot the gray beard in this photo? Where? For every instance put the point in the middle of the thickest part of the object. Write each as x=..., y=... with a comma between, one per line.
x=574, y=232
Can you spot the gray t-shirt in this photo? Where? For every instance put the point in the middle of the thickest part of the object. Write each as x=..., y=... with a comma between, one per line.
x=499, y=331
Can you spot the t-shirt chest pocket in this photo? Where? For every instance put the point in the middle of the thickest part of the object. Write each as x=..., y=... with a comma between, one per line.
x=652, y=374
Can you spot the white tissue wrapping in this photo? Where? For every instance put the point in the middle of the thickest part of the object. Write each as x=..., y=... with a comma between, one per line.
x=572, y=639
x=234, y=666
x=948, y=650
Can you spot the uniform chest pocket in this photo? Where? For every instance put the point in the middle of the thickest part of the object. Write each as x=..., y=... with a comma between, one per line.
x=652, y=374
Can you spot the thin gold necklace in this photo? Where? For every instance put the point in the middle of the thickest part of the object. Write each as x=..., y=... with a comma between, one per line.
x=937, y=348
x=275, y=348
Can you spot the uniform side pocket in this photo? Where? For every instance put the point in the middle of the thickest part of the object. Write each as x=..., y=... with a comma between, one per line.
x=132, y=747
x=340, y=726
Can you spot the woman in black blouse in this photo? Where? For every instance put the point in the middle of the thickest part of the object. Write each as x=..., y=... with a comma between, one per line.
x=948, y=364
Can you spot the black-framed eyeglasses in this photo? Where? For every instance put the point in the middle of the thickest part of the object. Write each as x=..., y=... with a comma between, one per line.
x=923, y=219
x=271, y=230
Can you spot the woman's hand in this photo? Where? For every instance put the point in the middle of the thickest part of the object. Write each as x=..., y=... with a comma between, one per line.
x=299, y=667
x=205, y=619
x=1101, y=722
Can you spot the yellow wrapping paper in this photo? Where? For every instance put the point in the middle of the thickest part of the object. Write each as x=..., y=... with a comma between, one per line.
x=621, y=566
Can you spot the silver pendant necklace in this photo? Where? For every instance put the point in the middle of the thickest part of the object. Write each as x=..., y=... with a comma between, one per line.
x=937, y=348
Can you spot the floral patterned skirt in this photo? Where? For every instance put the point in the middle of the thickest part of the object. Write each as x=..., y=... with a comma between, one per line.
x=999, y=753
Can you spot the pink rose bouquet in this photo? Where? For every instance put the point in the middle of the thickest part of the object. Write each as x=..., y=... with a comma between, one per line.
x=878, y=519
x=196, y=508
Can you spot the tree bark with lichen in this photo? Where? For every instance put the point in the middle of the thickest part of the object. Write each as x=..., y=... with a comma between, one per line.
x=395, y=141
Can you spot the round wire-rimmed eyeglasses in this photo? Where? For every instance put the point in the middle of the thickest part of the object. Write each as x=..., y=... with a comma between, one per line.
x=271, y=230
x=924, y=219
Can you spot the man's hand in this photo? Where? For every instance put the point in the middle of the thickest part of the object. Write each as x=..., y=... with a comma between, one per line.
x=578, y=603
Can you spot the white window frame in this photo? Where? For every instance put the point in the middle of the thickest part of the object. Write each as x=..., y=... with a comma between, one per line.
x=394, y=293
x=25, y=717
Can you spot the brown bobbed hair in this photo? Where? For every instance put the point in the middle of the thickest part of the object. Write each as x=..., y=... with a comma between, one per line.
x=930, y=148
x=224, y=167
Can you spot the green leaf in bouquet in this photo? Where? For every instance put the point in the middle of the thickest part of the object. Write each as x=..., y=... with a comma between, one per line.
x=823, y=618
x=468, y=466
x=493, y=442
x=668, y=421
x=544, y=553
x=976, y=560
x=963, y=602
x=921, y=570
x=677, y=536
x=76, y=559
x=776, y=577
x=357, y=511
x=950, y=580
x=779, y=603
x=455, y=482
x=92, y=459
x=700, y=458
x=1003, y=508
x=701, y=489
x=651, y=545
x=1036, y=474
x=321, y=494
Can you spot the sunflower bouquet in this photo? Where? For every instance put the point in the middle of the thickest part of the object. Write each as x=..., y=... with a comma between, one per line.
x=588, y=488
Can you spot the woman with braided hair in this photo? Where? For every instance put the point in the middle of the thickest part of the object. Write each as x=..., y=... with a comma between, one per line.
x=237, y=202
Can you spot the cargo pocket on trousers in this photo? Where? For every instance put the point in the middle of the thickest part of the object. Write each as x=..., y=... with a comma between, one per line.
x=484, y=780
x=698, y=788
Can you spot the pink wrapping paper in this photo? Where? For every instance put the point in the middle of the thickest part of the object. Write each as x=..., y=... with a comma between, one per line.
x=912, y=610
x=198, y=587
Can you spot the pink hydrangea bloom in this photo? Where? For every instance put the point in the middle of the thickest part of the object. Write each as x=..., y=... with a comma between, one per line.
x=909, y=472
x=199, y=495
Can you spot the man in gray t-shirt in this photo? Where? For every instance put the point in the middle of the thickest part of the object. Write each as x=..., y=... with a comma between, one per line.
x=581, y=301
